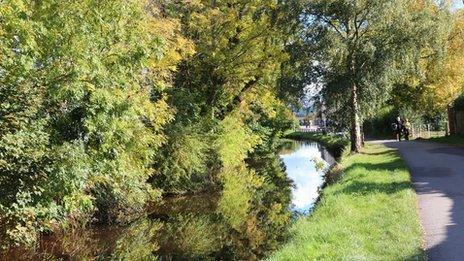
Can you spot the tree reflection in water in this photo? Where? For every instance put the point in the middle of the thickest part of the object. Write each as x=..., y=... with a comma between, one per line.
x=189, y=227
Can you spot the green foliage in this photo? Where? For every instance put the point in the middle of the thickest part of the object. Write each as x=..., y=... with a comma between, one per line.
x=23, y=139
x=97, y=120
x=117, y=121
x=182, y=163
x=233, y=54
x=82, y=109
x=234, y=142
x=365, y=48
x=335, y=144
x=225, y=95
x=438, y=76
x=236, y=198
x=196, y=235
x=138, y=241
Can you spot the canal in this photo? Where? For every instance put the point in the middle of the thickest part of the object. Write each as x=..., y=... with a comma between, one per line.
x=192, y=227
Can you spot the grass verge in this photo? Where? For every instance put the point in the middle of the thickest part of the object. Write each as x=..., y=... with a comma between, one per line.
x=370, y=214
x=335, y=144
x=453, y=139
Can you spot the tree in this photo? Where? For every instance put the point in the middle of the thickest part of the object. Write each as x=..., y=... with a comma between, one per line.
x=231, y=80
x=83, y=87
x=226, y=103
x=363, y=46
x=439, y=78
x=24, y=154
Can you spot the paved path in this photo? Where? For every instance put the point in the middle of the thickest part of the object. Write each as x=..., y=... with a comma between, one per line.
x=438, y=174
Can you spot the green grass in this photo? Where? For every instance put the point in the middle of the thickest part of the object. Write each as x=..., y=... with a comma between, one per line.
x=454, y=139
x=370, y=214
x=333, y=143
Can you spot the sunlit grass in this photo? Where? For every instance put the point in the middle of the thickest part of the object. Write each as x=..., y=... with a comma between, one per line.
x=371, y=214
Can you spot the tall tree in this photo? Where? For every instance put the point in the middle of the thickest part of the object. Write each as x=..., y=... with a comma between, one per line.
x=439, y=77
x=231, y=80
x=363, y=46
x=226, y=101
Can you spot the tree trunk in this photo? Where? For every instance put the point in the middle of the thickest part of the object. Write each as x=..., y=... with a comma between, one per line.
x=355, y=133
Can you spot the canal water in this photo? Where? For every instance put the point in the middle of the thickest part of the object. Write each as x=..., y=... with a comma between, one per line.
x=306, y=164
x=193, y=228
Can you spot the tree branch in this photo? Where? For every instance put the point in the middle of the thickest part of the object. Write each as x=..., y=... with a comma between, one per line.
x=237, y=99
x=326, y=20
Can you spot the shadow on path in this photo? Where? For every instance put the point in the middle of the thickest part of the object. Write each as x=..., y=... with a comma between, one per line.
x=437, y=172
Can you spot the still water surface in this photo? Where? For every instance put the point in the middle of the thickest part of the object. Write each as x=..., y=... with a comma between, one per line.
x=301, y=164
x=193, y=228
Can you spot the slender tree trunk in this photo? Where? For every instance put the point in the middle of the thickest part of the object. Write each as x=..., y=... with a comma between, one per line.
x=355, y=133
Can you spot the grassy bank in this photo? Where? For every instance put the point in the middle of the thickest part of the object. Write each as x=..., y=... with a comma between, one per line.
x=454, y=139
x=370, y=214
x=333, y=143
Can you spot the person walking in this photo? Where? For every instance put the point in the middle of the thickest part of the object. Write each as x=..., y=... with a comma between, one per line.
x=397, y=128
x=406, y=129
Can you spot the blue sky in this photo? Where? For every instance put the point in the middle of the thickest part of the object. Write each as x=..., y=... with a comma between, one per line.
x=457, y=4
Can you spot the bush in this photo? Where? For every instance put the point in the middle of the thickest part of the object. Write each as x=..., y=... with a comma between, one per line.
x=335, y=144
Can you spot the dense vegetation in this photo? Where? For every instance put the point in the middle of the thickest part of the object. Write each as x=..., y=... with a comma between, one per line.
x=370, y=214
x=107, y=106
x=83, y=106
x=183, y=227
x=335, y=144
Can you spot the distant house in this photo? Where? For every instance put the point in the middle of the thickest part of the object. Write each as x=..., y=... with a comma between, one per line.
x=456, y=116
x=304, y=115
x=311, y=117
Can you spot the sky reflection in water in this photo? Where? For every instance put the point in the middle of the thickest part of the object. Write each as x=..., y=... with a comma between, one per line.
x=301, y=168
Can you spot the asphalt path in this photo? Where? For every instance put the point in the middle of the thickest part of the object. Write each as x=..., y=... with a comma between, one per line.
x=437, y=171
